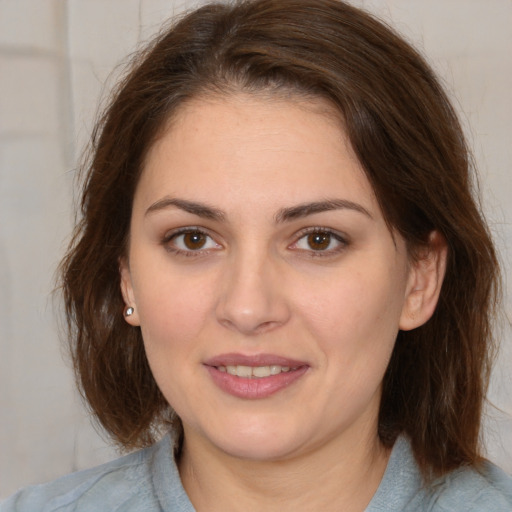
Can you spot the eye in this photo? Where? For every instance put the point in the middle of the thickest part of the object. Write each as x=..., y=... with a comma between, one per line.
x=320, y=241
x=190, y=240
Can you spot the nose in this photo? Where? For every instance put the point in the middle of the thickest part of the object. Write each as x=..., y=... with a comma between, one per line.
x=252, y=299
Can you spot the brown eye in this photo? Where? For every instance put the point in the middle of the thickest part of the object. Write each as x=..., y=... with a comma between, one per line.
x=190, y=242
x=319, y=241
x=194, y=240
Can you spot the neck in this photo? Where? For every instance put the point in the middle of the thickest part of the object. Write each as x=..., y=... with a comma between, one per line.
x=341, y=475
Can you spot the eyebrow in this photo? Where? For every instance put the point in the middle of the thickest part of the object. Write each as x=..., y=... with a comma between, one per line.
x=305, y=209
x=284, y=215
x=199, y=209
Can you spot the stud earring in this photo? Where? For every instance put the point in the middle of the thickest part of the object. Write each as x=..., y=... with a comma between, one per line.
x=129, y=311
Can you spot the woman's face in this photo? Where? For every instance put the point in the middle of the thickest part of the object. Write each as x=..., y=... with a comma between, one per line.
x=267, y=285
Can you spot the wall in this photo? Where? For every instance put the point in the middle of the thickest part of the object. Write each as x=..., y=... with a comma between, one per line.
x=55, y=57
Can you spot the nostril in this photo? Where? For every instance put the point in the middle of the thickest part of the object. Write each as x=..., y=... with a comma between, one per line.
x=250, y=326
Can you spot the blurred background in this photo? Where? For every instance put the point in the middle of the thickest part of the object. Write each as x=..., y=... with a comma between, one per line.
x=56, y=61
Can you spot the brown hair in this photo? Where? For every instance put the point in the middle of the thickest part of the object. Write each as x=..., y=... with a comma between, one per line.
x=410, y=144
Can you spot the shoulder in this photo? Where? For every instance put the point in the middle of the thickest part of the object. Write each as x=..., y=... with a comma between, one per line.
x=472, y=489
x=123, y=484
x=467, y=489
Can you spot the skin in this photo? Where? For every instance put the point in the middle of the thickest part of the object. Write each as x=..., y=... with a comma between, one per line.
x=260, y=284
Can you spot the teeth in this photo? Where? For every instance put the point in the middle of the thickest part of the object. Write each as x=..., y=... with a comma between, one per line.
x=243, y=371
x=261, y=371
x=274, y=369
x=249, y=372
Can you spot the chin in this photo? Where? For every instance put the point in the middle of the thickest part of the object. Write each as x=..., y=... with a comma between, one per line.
x=258, y=449
x=257, y=440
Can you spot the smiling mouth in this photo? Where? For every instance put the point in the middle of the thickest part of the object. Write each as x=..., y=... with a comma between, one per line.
x=254, y=377
x=254, y=372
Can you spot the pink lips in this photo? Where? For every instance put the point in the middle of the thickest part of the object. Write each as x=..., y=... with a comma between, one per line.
x=254, y=388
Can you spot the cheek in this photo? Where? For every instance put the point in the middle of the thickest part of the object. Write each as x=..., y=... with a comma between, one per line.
x=174, y=316
x=173, y=311
x=355, y=319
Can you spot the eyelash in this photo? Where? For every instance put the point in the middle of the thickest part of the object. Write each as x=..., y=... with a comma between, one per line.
x=325, y=253
x=169, y=237
x=193, y=230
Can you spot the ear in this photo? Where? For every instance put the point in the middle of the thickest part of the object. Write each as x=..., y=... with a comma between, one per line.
x=426, y=276
x=127, y=292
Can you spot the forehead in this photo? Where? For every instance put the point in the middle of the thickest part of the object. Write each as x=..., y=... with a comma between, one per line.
x=293, y=148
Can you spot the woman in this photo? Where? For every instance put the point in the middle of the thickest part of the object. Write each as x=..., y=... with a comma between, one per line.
x=281, y=263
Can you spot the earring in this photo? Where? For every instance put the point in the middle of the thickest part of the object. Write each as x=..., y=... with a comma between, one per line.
x=129, y=311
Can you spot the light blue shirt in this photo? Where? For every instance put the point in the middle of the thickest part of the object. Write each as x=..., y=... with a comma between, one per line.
x=148, y=481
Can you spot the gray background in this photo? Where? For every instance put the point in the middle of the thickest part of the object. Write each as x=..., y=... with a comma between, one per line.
x=55, y=59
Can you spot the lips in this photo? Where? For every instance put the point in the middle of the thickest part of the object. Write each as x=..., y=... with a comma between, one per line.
x=254, y=377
